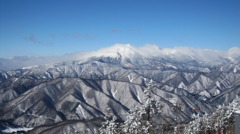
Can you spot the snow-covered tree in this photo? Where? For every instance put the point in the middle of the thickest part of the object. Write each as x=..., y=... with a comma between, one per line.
x=110, y=126
x=144, y=119
x=219, y=121
x=196, y=126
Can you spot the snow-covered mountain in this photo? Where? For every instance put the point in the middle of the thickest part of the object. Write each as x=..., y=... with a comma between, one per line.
x=206, y=57
x=86, y=84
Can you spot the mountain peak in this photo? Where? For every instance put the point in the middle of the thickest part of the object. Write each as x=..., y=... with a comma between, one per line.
x=124, y=51
x=205, y=57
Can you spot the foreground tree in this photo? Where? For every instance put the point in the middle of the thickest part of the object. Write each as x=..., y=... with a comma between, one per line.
x=144, y=119
x=219, y=122
x=110, y=126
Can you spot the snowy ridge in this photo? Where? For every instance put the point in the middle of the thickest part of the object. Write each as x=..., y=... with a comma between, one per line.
x=15, y=130
x=80, y=111
x=124, y=51
x=127, y=51
x=116, y=78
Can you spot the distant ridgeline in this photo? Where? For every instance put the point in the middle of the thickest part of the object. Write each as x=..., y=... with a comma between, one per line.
x=112, y=86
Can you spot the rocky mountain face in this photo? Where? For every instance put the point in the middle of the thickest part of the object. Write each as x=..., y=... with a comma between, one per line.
x=74, y=94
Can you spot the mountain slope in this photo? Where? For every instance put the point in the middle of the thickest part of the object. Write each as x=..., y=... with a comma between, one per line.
x=116, y=77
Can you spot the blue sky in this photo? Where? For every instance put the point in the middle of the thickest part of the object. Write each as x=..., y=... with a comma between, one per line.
x=48, y=27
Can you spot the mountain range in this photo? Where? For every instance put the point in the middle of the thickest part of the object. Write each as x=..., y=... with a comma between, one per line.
x=72, y=93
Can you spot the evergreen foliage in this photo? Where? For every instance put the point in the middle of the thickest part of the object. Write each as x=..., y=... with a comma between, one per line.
x=110, y=126
x=143, y=119
x=218, y=122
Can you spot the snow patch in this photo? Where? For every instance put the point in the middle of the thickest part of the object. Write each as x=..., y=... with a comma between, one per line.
x=218, y=84
x=80, y=111
x=205, y=93
x=15, y=79
x=114, y=93
x=173, y=101
x=138, y=97
x=5, y=75
x=171, y=66
x=115, y=51
x=205, y=70
x=235, y=69
x=15, y=130
x=238, y=112
x=181, y=85
x=130, y=78
x=216, y=92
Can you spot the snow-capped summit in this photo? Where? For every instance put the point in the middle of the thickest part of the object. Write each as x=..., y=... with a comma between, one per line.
x=81, y=86
x=206, y=57
x=125, y=51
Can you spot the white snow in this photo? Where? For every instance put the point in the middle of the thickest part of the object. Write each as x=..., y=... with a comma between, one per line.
x=171, y=66
x=205, y=81
x=117, y=50
x=5, y=75
x=138, y=97
x=151, y=81
x=238, y=112
x=181, y=54
x=216, y=92
x=14, y=130
x=204, y=98
x=235, y=69
x=218, y=119
x=206, y=70
x=218, y=84
x=130, y=78
x=181, y=85
x=173, y=101
x=205, y=93
x=114, y=93
x=80, y=111
x=15, y=79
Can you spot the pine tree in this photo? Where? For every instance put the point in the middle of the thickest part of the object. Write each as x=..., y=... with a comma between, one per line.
x=220, y=120
x=110, y=126
x=144, y=118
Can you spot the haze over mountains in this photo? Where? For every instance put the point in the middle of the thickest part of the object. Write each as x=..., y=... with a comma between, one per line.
x=81, y=86
x=180, y=54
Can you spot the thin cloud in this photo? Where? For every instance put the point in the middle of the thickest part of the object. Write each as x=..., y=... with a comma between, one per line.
x=76, y=35
x=115, y=30
x=88, y=36
x=52, y=36
x=136, y=30
x=180, y=54
x=132, y=30
x=32, y=38
x=82, y=35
